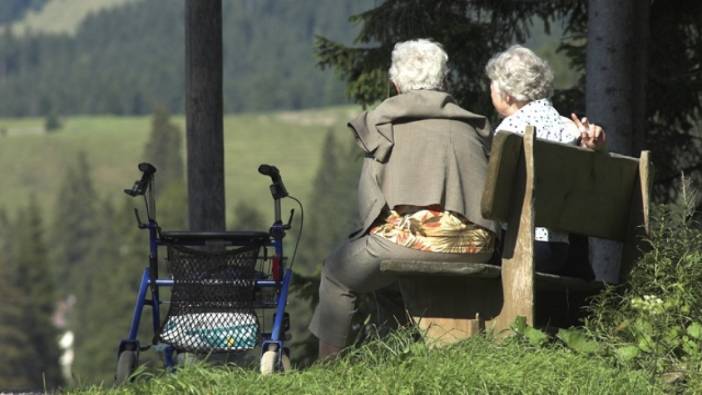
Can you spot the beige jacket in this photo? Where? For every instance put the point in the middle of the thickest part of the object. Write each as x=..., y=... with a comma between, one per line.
x=421, y=149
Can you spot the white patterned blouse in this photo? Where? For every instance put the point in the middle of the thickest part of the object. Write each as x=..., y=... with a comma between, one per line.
x=550, y=125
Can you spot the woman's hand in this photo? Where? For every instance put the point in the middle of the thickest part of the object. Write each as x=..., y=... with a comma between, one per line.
x=591, y=135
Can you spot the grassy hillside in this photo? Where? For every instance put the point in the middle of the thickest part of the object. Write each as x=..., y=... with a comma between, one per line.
x=61, y=16
x=127, y=56
x=401, y=366
x=33, y=162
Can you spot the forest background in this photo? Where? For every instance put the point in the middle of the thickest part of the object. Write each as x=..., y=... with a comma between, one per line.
x=88, y=89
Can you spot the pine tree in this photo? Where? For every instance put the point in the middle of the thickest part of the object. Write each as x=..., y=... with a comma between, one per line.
x=247, y=217
x=164, y=150
x=73, y=233
x=327, y=224
x=14, y=342
x=92, y=336
x=4, y=235
x=470, y=31
x=120, y=254
x=32, y=275
x=74, y=226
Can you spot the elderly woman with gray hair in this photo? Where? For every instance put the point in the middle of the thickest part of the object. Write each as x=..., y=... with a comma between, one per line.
x=521, y=84
x=419, y=192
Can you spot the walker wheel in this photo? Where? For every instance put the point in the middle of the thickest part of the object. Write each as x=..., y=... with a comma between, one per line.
x=270, y=363
x=126, y=364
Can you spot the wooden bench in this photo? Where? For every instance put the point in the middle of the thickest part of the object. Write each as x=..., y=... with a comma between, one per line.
x=531, y=183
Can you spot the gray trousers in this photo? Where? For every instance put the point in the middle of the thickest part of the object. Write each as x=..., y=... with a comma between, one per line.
x=354, y=268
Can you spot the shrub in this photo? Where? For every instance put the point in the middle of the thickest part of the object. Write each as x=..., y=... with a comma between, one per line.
x=655, y=321
x=52, y=122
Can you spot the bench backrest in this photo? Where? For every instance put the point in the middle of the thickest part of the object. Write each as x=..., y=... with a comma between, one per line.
x=540, y=183
x=576, y=190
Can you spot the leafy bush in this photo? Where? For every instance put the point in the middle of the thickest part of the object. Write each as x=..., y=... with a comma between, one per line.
x=52, y=122
x=655, y=321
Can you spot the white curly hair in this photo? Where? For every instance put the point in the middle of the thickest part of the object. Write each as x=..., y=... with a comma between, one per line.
x=520, y=73
x=418, y=64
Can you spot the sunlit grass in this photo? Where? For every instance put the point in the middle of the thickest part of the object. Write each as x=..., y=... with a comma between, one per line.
x=399, y=365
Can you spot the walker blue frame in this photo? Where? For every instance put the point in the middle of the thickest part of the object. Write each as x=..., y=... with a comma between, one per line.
x=280, y=276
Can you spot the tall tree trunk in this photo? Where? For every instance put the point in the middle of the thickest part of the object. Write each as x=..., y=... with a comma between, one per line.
x=615, y=93
x=203, y=106
x=640, y=74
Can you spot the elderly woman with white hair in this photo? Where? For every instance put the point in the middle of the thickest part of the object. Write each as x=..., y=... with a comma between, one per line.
x=419, y=192
x=520, y=88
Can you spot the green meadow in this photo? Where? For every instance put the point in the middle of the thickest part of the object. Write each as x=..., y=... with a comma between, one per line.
x=33, y=161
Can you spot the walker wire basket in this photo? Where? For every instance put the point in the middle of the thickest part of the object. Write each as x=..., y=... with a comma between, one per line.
x=212, y=300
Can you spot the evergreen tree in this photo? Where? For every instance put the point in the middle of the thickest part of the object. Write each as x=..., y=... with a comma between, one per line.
x=93, y=343
x=472, y=31
x=14, y=342
x=74, y=227
x=120, y=254
x=332, y=204
x=12, y=10
x=246, y=217
x=73, y=234
x=32, y=275
x=4, y=235
x=172, y=203
x=673, y=106
x=164, y=149
x=330, y=218
x=139, y=48
x=52, y=122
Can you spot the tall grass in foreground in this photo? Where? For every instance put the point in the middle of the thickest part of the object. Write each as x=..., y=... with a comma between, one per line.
x=401, y=365
x=654, y=321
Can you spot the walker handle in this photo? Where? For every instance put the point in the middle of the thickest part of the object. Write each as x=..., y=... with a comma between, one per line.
x=277, y=188
x=140, y=186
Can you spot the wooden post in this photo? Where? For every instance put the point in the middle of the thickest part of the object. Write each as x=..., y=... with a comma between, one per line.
x=203, y=107
x=518, y=255
x=638, y=227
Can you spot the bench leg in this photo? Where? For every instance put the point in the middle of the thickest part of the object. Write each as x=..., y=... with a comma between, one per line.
x=440, y=332
x=518, y=254
x=450, y=309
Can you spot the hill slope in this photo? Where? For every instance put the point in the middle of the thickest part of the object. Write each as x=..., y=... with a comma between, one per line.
x=33, y=162
x=61, y=16
x=129, y=57
x=14, y=10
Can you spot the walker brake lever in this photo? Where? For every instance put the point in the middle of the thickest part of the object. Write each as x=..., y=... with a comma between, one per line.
x=289, y=224
x=138, y=218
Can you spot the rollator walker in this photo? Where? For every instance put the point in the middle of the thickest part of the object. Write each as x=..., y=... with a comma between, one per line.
x=224, y=287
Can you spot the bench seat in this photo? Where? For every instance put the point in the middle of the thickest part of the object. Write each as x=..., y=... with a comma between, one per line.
x=436, y=268
x=450, y=301
x=543, y=281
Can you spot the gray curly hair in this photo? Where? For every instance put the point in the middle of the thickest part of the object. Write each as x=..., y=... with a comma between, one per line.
x=520, y=73
x=418, y=64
